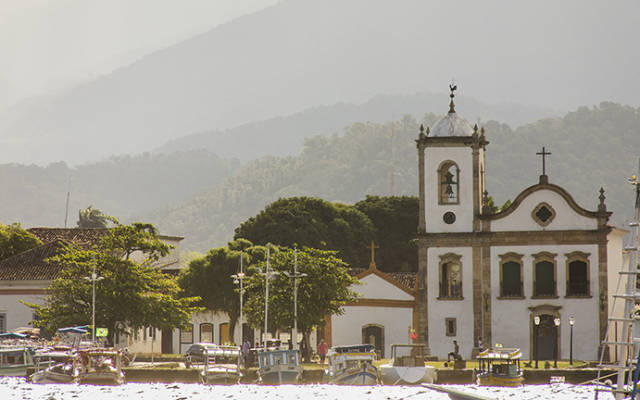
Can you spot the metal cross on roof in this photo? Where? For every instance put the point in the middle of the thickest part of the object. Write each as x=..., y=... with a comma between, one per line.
x=543, y=154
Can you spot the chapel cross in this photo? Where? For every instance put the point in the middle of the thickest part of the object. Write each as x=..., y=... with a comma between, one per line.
x=543, y=154
x=373, y=261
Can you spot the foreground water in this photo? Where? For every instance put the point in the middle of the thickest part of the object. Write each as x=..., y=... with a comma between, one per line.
x=19, y=389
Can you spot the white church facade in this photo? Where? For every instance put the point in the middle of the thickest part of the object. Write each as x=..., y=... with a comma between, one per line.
x=514, y=277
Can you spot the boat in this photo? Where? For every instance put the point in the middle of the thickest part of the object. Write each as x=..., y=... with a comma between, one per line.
x=56, y=366
x=407, y=369
x=222, y=366
x=455, y=394
x=352, y=365
x=277, y=367
x=500, y=367
x=14, y=361
x=101, y=366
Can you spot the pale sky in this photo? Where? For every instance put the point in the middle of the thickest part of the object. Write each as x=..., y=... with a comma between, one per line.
x=48, y=43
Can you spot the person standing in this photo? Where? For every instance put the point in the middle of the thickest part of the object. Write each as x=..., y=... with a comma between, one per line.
x=322, y=351
x=246, y=350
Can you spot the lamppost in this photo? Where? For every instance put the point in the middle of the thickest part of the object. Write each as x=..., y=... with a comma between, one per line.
x=237, y=279
x=536, y=324
x=269, y=274
x=295, y=277
x=556, y=322
x=571, y=322
x=94, y=278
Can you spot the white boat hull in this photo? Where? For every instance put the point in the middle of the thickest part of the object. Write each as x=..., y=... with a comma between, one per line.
x=407, y=375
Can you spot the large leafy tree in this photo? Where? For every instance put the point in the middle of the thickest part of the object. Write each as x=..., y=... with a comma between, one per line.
x=396, y=221
x=315, y=223
x=92, y=218
x=323, y=291
x=209, y=278
x=133, y=293
x=15, y=240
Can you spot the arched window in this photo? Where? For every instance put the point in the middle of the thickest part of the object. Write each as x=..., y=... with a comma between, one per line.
x=448, y=177
x=511, y=275
x=544, y=275
x=450, y=276
x=186, y=334
x=578, y=274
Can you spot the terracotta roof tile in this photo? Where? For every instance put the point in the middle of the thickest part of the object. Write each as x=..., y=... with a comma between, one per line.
x=70, y=235
x=30, y=265
x=407, y=279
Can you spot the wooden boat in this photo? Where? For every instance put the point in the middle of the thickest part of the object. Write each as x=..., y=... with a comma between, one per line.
x=352, y=365
x=455, y=394
x=277, y=367
x=407, y=369
x=222, y=366
x=101, y=367
x=500, y=367
x=15, y=360
x=56, y=367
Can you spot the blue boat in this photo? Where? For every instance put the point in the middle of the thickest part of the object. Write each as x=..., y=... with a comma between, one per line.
x=278, y=367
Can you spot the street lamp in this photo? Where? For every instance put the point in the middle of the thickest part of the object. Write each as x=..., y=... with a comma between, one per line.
x=536, y=324
x=237, y=279
x=269, y=274
x=295, y=277
x=94, y=278
x=556, y=322
x=571, y=322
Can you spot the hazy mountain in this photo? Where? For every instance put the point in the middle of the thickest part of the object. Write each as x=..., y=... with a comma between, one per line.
x=300, y=54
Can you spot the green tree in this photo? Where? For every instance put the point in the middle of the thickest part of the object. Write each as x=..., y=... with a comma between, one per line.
x=15, y=240
x=209, y=278
x=134, y=292
x=92, y=218
x=321, y=292
x=396, y=221
x=315, y=223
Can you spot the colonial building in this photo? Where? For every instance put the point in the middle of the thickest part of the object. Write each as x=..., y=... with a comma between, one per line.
x=492, y=275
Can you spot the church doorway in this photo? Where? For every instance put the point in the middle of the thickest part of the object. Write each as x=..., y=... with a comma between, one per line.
x=546, y=338
x=374, y=334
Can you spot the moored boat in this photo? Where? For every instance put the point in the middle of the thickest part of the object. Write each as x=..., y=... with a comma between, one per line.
x=56, y=367
x=500, y=367
x=352, y=365
x=16, y=354
x=279, y=367
x=101, y=367
x=406, y=366
x=222, y=366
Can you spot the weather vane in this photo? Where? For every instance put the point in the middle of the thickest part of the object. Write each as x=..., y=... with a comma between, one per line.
x=453, y=87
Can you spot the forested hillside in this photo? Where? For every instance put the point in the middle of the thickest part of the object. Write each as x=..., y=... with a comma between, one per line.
x=37, y=196
x=591, y=148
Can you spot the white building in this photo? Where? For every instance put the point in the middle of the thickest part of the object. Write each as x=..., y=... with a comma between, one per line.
x=488, y=275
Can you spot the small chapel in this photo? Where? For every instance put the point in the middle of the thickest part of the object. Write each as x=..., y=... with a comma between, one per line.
x=521, y=277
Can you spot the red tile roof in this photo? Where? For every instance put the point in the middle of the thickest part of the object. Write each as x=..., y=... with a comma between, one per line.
x=30, y=265
x=407, y=279
x=70, y=235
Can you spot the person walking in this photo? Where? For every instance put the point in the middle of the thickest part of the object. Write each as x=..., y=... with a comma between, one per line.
x=322, y=351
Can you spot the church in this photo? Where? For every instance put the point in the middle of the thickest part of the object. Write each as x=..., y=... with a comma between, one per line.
x=522, y=277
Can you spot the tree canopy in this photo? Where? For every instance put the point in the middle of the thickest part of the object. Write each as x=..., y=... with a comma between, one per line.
x=15, y=240
x=315, y=223
x=323, y=291
x=134, y=292
x=92, y=218
x=209, y=278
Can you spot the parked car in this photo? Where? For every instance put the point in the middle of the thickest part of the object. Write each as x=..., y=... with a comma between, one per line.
x=195, y=353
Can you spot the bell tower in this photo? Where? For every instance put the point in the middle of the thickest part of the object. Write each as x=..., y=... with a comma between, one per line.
x=451, y=162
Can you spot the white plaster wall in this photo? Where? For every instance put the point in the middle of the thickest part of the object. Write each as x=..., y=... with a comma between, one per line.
x=18, y=315
x=347, y=328
x=521, y=220
x=461, y=310
x=511, y=319
x=434, y=156
x=377, y=288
